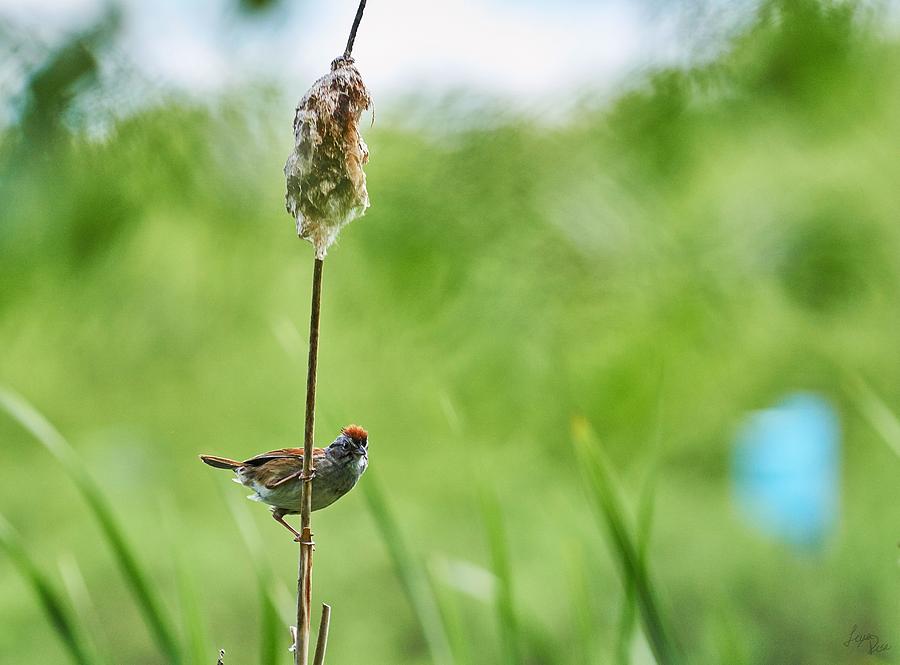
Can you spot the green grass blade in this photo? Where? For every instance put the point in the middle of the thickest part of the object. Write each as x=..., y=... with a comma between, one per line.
x=582, y=601
x=155, y=616
x=625, y=629
x=629, y=603
x=506, y=614
x=600, y=483
x=644, y=526
x=272, y=631
x=878, y=414
x=451, y=612
x=63, y=620
x=410, y=572
x=197, y=645
x=196, y=636
x=82, y=605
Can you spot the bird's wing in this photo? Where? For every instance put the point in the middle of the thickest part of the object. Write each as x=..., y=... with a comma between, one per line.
x=282, y=453
x=275, y=470
x=277, y=466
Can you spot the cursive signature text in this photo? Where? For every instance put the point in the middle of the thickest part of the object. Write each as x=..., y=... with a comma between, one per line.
x=871, y=641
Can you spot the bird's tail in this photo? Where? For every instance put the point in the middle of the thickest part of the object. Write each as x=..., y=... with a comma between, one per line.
x=220, y=462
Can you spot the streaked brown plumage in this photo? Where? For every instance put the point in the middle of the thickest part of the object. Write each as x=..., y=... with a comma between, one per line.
x=276, y=476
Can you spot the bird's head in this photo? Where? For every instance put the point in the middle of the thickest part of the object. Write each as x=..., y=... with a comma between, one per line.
x=353, y=440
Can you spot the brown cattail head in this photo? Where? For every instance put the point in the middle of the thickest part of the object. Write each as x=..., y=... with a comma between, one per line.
x=326, y=185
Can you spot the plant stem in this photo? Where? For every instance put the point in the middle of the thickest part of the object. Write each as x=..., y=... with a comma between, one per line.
x=304, y=575
x=352, y=38
x=322, y=640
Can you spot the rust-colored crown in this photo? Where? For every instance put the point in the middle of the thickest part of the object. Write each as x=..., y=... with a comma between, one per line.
x=356, y=432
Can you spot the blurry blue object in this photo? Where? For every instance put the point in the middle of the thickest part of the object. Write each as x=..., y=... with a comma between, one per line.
x=786, y=470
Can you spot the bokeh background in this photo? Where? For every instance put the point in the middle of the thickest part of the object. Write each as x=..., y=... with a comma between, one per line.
x=664, y=235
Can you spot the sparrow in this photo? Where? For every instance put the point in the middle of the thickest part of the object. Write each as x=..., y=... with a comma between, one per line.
x=276, y=477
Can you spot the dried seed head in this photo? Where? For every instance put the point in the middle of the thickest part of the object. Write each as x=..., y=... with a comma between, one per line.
x=326, y=185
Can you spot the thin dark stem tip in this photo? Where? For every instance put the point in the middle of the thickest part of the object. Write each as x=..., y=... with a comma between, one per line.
x=356, y=21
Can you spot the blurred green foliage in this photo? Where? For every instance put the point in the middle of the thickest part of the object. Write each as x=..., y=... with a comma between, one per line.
x=715, y=237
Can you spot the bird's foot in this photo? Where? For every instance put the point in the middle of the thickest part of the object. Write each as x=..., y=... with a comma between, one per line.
x=305, y=538
x=278, y=516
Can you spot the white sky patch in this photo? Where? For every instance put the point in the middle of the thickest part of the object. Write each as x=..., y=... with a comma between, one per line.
x=492, y=46
x=53, y=12
x=507, y=48
x=176, y=43
x=495, y=46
